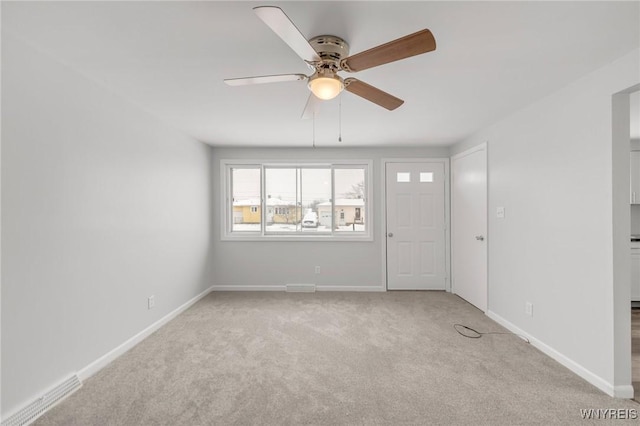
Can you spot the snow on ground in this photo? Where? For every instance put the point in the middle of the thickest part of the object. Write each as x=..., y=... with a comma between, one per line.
x=285, y=227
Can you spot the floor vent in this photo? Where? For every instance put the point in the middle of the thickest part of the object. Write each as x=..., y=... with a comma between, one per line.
x=301, y=288
x=40, y=406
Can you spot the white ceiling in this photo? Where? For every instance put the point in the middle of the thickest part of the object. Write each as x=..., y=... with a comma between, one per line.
x=170, y=58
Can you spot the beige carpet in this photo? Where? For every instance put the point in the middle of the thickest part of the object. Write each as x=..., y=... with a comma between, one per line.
x=331, y=358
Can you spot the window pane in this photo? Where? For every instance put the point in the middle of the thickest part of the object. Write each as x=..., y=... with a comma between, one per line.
x=284, y=211
x=316, y=200
x=403, y=177
x=426, y=177
x=245, y=192
x=350, y=199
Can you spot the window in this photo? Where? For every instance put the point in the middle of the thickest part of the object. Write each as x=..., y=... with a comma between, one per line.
x=280, y=211
x=295, y=193
x=403, y=177
x=350, y=199
x=245, y=197
x=426, y=177
x=302, y=201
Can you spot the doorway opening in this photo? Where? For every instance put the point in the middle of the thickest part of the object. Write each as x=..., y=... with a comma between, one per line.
x=634, y=136
x=625, y=138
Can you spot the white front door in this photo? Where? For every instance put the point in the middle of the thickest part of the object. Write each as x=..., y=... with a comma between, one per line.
x=469, y=226
x=415, y=226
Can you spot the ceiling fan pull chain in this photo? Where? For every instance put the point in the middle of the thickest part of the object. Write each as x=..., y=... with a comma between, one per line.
x=340, y=119
x=314, y=129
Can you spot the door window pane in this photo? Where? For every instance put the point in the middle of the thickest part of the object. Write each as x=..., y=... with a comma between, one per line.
x=426, y=176
x=403, y=177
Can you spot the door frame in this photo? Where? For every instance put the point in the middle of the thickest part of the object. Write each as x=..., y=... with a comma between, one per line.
x=622, y=382
x=480, y=147
x=447, y=214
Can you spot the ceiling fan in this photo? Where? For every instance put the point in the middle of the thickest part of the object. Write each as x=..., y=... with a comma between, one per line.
x=326, y=55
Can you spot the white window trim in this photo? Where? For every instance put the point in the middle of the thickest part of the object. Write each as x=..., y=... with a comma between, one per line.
x=226, y=214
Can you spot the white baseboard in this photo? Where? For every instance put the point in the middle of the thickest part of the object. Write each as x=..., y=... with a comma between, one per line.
x=363, y=288
x=284, y=288
x=625, y=392
x=589, y=376
x=104, y=360
x=249, y=288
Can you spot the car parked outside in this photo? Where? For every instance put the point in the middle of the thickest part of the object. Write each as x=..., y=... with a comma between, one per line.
x=310, y=220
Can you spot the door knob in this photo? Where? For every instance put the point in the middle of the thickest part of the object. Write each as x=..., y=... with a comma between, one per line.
x=390, y=234
x=480, y=237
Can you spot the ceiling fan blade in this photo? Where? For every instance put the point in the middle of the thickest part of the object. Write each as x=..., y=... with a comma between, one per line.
x=372, y=94
x=245, y=81
x=280, y=23
x=404, y=47
x=311, y=108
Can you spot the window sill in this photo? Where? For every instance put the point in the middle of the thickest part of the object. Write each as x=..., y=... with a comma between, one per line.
x=299, y=238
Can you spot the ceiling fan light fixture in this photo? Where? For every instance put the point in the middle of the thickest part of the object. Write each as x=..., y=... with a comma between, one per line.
x=326, y=87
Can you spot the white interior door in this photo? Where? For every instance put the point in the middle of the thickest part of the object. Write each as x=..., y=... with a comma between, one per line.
x=469, y=226
x=415, y=226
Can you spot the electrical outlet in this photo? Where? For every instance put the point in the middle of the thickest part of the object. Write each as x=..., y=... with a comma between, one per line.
x=151, y=302
x=528, y=308
x=317, y=269
x=500, y=212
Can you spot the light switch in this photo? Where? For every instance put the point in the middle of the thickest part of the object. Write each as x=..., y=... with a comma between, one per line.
x=500, y=212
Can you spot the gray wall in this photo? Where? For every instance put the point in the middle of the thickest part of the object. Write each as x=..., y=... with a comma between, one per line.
x=551, y=167
x=344, y=265
x=102, y=207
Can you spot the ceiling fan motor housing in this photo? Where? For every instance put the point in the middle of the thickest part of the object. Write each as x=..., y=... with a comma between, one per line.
x=331, y=50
